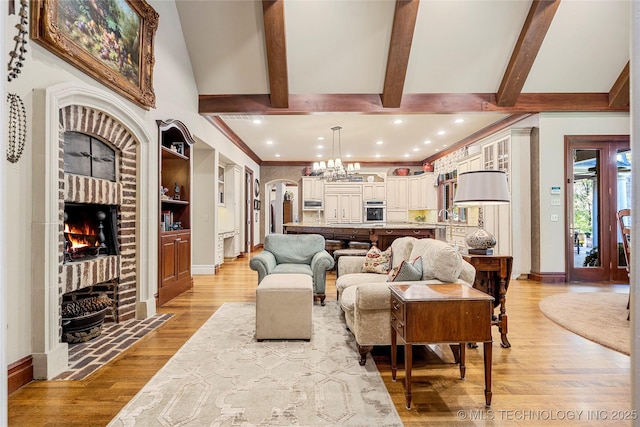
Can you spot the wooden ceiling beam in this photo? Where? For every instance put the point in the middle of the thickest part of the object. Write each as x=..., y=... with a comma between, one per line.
x=404, y=23
x=526, y=49
x=276, y=50
x=619, y=93
x=444, y=103
x=225, y=130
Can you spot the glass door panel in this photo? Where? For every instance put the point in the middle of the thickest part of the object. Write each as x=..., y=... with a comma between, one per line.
x=598, y=172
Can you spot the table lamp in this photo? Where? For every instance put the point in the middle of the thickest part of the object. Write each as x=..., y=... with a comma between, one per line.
x=480, y=188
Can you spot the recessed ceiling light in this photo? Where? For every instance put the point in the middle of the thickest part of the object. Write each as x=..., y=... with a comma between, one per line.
x=269, y=142
x=437, y=149
x=441, y=132
x=398, y=121
x=458, y=121
x=406, y=155
x=379, y=142
x=318, y=155
x=321, y=138
x=416, y=149
x=348, y=155
x=444, y=145
x=277, y=155
x=378, y=155
x=256, y=121
x=427, y=141
x=320, y=146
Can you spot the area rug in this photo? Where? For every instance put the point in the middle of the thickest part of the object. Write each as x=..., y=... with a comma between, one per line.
x=223, y=377
x=87, y=357
x=597, y=316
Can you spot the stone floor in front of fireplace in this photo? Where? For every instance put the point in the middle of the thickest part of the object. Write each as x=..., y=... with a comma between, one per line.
x=85, y=358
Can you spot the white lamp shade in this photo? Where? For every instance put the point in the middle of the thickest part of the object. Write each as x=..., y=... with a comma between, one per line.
x=323, y=165
x=485, y=187
x=357, y=166
x=330, y=163
x=316, y=166
x=338, y=162
x=350, y=167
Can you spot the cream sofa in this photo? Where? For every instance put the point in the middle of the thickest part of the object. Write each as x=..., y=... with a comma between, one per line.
x=364, y=297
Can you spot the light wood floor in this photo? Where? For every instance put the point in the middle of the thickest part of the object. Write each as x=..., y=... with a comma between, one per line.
x=549, y=376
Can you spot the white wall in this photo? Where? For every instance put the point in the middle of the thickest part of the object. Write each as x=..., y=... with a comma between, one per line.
x=203, y=210
x=553, y=128
x=176, y=98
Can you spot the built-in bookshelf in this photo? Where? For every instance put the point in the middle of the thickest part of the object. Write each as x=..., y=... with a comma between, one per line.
x=174, y=258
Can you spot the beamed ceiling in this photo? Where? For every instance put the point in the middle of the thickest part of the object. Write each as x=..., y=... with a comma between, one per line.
x=304, y=66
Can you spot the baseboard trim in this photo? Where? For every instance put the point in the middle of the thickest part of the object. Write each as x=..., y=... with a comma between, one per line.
x=203, y=270
x=20, y=373
x=548, y=277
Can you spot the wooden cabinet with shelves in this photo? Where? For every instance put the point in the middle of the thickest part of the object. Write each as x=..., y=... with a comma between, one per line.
x=174, y=254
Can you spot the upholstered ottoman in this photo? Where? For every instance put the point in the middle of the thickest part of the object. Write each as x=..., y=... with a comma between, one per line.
x=284, y=304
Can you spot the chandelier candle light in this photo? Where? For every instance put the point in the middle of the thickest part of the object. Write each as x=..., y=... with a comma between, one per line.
x=333, y=170
x=480, y=188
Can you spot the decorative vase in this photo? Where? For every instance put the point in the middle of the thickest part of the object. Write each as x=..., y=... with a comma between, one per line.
x=481, y=240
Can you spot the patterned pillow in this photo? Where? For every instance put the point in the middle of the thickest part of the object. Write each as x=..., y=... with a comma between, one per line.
x=377, y=261
x=407, y=271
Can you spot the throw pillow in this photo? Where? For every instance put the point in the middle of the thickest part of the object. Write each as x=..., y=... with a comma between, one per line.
x=407, y=271
x=377, y=261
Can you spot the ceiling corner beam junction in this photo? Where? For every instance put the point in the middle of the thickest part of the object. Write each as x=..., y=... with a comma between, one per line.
x=619, y=93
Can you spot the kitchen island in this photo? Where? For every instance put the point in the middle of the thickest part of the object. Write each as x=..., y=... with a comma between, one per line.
x=381, y=235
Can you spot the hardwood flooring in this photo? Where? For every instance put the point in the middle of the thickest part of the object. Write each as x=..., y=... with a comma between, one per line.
x=548, y=377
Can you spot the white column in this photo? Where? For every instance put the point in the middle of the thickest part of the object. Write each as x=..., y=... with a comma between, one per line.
x=634, y=90
x=3, y=298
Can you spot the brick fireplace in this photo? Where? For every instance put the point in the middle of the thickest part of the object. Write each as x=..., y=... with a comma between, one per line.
x=129, y=272
x=90, y=191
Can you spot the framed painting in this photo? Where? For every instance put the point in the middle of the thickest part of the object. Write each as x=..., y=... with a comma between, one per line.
x=110, y=40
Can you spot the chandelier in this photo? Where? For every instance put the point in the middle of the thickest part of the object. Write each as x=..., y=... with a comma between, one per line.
x=333, y=169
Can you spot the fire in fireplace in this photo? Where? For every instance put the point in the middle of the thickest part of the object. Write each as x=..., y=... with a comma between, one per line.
x=89, y=231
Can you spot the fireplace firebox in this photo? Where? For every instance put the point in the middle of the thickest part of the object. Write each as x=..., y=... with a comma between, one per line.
x=89, y=231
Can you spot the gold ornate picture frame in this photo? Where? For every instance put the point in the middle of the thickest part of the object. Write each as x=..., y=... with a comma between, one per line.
x=110, y=40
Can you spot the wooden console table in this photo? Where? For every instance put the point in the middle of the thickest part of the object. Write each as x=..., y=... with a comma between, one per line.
x=448, y=313
x=492, y=277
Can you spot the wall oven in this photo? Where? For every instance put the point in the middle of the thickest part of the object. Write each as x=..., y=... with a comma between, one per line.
x=375, y=211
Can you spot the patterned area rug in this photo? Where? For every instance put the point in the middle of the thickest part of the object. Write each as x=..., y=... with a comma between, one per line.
x=597, y=316
x=223, y=377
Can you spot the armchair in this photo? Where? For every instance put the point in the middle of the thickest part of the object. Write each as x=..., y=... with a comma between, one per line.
x=295, y=254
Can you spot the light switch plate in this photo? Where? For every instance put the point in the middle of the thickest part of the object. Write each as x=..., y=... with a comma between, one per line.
x=554, y=217
x=555, y=202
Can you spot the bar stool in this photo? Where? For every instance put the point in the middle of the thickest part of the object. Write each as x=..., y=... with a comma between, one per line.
x=359, y=245
x=333, y=245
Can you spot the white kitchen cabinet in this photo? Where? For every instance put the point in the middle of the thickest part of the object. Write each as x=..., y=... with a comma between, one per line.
x=429, y=190
x=312, y=188
x=343, y=208
x=374, y=191
x=417, y=199
x=397, y=193
x=472, y=163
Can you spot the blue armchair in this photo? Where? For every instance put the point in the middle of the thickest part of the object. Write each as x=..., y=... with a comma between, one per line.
x=295, y=253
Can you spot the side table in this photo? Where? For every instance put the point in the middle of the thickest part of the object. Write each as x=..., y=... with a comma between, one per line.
x=447, y=313
x=492, y=277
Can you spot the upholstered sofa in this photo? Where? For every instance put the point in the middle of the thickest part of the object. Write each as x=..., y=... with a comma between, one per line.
x=364, y=297
x=295, y=254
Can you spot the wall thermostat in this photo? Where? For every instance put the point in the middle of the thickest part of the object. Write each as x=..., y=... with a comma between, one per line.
x=555, y=190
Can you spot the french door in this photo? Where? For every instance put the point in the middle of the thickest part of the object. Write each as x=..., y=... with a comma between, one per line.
x=598, y=185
